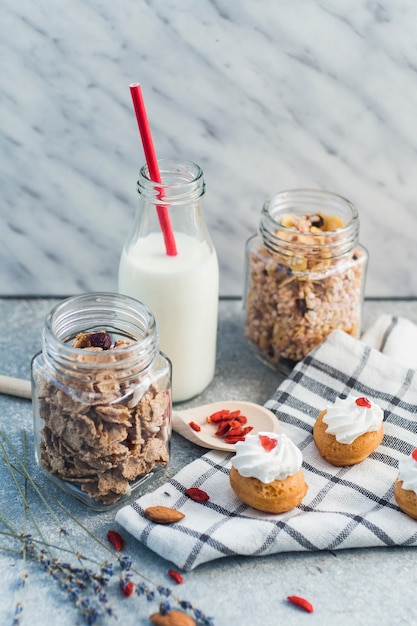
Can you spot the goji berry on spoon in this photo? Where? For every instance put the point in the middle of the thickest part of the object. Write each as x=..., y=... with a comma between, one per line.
x=230, y=425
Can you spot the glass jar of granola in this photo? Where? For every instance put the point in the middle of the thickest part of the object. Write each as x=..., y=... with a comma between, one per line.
x=101, y=398
x=305, y=274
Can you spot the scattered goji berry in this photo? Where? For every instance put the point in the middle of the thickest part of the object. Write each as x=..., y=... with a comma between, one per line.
x=301, y=602
x=414, y=454
x=115, y=539
x=268, y=443
x=195, y=426
x=127, y=588
x=363, y=402
x=197, y=494
x=175, y=576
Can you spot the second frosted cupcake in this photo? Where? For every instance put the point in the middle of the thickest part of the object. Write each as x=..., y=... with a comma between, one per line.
x=349, y=430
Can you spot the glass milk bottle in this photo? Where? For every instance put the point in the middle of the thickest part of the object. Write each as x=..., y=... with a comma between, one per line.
x=181, y=290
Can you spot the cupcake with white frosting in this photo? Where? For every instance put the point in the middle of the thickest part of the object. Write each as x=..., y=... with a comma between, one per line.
x=405, y=492
x=347, y=431
x=266, y=472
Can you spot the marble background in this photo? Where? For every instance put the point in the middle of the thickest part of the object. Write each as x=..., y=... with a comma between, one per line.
x=265, y=95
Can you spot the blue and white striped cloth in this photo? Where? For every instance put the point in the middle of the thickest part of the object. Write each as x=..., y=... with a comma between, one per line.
x=348, y=507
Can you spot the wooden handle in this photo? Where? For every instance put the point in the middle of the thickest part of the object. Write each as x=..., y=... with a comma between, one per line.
x=15, y=387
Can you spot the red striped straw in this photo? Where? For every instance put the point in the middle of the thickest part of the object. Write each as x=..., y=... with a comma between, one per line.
x=153, y=168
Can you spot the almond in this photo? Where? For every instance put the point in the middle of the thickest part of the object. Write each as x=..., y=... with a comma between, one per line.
x=173, y=618
x=163, y=515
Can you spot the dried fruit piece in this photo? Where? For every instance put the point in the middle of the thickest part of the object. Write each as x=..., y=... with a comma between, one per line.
x=287, y=220
x=175, y=576
x=195, y=426
x=126, y=587
x=332, y=222
x=223, y=429
x=301, y=602
x=414, y=454
x=115, y=539
x=100, y=340
x=247, y=430
x=235, y=432
x=197, y=494
x=268, y=443
x=317, y=221
x=173, y=618
x=230, y=425
x=301, y=306
x=163, y=515
x=232, y=440
x=218, y=416
x=240, y=418
x=363, y=402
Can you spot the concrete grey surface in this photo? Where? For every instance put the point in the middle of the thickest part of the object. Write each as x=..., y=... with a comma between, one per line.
x=369, y=587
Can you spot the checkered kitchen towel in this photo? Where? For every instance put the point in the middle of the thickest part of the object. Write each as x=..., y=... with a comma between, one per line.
x=344, y=507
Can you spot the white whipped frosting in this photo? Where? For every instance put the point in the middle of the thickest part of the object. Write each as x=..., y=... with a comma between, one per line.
x=347, y=421
x=252, y=460
x=407, y=468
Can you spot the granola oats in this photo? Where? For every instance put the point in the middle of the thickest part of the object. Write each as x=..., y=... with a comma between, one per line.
x=101, y=434
x=299, y=294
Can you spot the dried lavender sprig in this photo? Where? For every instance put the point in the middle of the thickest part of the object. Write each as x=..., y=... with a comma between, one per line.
x=11, y=550
x=24, y=574
x=25, y=508
x=74, y=581
x=92, y=615
x=91, y=612
x=8, y=523
x=27, y=477
x=21, y=492
x=45, y=495
x=17, y=613
x=40, y=542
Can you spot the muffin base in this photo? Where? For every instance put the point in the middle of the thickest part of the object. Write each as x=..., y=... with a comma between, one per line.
x=406, y=499
x=276, y=497
x=341, y=454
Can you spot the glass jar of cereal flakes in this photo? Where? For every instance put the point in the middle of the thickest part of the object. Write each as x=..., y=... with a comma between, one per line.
x=101, y=398
x=305, y=275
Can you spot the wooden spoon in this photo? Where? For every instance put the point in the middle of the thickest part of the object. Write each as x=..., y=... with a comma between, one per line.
x=260, y=418
x=15, y=387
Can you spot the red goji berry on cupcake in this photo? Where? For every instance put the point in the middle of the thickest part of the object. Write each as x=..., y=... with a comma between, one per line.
x=405, y=492
x=266, y=473
x=348, y=430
